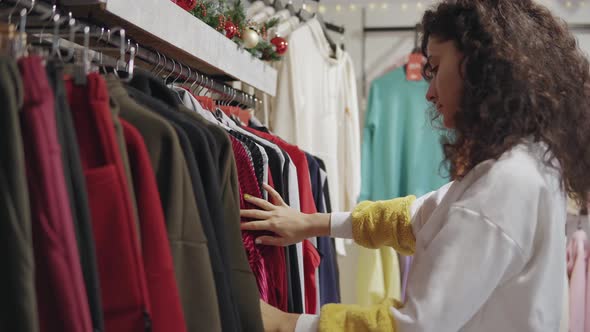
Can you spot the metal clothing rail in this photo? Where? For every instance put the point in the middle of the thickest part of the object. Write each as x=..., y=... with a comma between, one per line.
x=369, y=30
x=336, y=28
x=574, y=27
x=149, y=59
x=579, y=27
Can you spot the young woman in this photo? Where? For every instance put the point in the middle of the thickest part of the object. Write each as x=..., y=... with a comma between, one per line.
x=510, y=84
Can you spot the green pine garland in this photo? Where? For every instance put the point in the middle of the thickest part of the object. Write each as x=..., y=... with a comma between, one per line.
x=210, y=11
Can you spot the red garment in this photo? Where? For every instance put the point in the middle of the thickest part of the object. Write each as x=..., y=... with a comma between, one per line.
x=311, y=263
x=282, y=291
x=310, y=255
x=61, y=295
x=267, y=263
x=246, y=177
x=122, y=275
x=307, y=202
x=167, y=314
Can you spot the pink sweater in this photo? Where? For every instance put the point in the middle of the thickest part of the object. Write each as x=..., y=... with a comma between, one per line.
x=576, y=267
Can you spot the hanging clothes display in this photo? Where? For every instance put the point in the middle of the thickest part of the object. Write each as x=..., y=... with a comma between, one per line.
x=396, y=114
x=20, y=310
x=122, y=188
x=59, y=276
x=181, y=263
x=122, y=273
x=157, y=259
x=76, y=186
x=44, y=167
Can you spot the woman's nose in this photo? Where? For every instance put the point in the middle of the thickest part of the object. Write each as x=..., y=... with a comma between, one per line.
x=431, y=94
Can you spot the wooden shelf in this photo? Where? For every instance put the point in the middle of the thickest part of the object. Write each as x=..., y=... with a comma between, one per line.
x=168, y=29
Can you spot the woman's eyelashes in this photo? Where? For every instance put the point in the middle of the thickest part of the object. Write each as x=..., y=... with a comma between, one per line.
x=430, y=72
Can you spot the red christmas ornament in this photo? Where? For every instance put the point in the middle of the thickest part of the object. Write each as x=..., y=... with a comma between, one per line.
x=187, y=5
x=230, y=29
x=280, y=44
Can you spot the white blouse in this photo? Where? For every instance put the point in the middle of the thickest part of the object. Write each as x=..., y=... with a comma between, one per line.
x=489, y=250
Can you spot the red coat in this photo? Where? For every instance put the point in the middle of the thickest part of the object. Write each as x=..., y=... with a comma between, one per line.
x=124, y=293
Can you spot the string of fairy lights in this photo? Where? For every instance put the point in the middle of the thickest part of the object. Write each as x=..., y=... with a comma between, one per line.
x=411, y=6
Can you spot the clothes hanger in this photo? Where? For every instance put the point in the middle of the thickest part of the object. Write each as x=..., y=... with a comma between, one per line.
x=124, y=47
x=201, y=84
x=305, y=16
x=176, y=92
x=12, y=10
x=72, y=39
x=21, y=37
x=177, y=74
x=194, y=82
x=190, y=73
x=172, y=71
x=81, y=64
x=153, y=70
x=55, y=53
x=102, y=67
x=290, y=8
x=159, y=73
x=130, y=65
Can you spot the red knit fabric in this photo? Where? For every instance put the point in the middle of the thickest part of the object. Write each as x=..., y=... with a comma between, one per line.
x=267, y=263
x=120, y=266
x=310, y=255
x=245, y=175
x=62, y=302
x=279, y=268
x=167, y=314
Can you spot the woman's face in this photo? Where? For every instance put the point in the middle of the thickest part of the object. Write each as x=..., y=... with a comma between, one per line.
x=446, y=86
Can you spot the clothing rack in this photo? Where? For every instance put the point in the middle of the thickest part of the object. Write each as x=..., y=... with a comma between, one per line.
x=575, y=27
x=336, y=28
x=370, y=30
x=579, y=27
x=148, y=59
x=279, y=4
x=179, y=35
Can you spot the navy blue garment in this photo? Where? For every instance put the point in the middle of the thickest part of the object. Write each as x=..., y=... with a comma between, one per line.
x=328, y=271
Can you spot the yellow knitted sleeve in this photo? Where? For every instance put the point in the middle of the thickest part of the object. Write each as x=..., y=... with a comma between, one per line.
x=354, y=318
x=385, y=223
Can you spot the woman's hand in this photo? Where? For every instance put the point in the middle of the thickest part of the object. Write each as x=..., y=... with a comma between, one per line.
x=289, y=225
x=275, y=320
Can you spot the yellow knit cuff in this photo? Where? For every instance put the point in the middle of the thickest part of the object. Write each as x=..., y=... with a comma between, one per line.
x=385, y=223
x=354, y=318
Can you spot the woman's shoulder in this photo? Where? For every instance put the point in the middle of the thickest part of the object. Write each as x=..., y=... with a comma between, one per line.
x=517, y=192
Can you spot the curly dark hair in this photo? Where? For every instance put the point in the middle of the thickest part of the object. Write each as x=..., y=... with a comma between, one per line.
x=524, y=76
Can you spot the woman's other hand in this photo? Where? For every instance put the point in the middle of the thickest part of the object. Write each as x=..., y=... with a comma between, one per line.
x=289, y=225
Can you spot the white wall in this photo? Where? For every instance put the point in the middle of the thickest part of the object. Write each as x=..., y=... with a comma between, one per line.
x=383, y=48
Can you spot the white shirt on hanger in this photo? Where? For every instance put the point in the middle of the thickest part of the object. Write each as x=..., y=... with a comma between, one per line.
x=317, y=109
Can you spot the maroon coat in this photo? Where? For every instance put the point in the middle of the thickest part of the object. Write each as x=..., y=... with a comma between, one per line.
x=61, y=295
